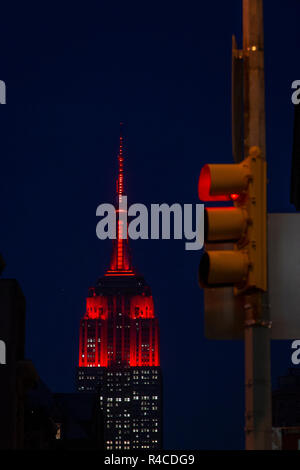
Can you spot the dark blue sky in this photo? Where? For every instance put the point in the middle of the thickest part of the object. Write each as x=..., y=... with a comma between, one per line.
x=72, y=73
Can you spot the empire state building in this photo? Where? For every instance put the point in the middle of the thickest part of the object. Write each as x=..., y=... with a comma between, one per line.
x=119, y=347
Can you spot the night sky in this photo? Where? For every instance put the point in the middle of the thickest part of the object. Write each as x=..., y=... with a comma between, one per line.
x=73, y=72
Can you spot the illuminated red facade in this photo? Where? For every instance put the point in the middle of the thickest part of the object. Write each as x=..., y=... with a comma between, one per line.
x=119, y=328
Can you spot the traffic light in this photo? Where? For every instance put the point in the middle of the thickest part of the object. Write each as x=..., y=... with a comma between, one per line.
x=235, y=237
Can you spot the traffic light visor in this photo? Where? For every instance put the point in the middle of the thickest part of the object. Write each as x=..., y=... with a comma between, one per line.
x=222, y=268
x=222, y=182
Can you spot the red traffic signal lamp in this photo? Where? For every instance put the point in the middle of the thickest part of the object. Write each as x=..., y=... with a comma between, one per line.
x=243, y=224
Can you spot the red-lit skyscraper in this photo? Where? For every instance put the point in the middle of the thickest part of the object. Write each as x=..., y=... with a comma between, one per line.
x=119, y=347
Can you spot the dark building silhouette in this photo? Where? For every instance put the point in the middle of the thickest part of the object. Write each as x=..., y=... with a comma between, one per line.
x=286, y=410
x=17, y=375
x=79, y=421
x=39, y=418
x=119, y=347
x=31, y=417
x=61, y=420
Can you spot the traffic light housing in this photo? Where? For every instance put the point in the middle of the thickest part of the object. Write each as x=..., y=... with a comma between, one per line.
x=235, y=237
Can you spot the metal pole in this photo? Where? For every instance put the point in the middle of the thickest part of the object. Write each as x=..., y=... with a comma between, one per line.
x=258, y=416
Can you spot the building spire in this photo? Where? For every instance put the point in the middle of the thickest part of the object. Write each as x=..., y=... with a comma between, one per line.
x=120, y=264
x=120, y=180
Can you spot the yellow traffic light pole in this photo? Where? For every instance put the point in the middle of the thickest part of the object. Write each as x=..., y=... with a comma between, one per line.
x=234, y=264
x=258, y=416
